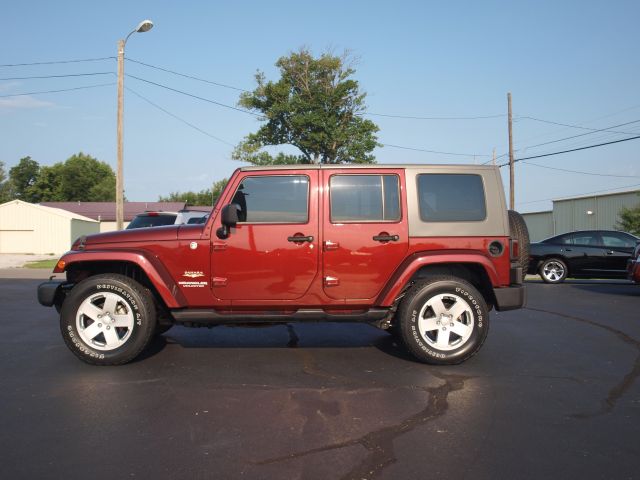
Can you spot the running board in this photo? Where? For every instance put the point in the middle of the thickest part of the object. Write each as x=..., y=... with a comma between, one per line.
x=198, y=316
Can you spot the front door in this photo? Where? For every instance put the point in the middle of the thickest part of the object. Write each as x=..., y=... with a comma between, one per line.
x=617, y=249
x=365, y=234
x=272, y=254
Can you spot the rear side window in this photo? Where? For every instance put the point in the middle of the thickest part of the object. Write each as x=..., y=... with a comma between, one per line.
x=364, y=198
x=585, y=239
x=273, y=199
x=451, y=198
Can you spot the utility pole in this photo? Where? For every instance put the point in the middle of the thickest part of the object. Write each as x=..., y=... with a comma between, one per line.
x=511, y=172
x=494, y=156
x=119, y=171
x=142, y=27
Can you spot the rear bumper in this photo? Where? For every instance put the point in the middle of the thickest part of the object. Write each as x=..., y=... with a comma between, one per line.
x=510, y=298
x=51, y=293
x=515, y=295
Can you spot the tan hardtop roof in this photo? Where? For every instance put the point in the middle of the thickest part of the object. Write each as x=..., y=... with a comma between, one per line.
x=439, y=166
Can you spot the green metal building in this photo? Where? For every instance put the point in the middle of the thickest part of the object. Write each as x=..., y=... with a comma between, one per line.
x=592, y=212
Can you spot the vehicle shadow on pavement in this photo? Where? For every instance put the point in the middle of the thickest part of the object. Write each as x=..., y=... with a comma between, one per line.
x=343, y=335
x=628, y=289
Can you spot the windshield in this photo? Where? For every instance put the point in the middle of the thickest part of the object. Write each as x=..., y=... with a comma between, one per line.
x=157, y=220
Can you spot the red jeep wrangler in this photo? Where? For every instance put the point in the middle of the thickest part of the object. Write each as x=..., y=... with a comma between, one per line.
x=423, y=251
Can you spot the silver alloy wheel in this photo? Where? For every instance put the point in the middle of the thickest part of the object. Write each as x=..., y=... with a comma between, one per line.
x=446, y=321
x=104, y=321
x=553, y=271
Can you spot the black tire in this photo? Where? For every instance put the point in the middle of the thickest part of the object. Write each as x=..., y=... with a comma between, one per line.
x=553, y=270
x=422, y=344
x=132, y=302
x=519, y=231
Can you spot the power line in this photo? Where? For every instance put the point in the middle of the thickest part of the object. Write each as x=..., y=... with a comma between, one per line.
x=434, y=151
x=566, y=124
x=57, y=62
x=580, y=172
x=218, y=84
x=591, y=132
x=192, y=77
x=57, y=91
x=480, y=117
x=607, y=129
x=194, y=96
x=179, y=118
x=581, y=194
x=573, y=150
x=59, y=76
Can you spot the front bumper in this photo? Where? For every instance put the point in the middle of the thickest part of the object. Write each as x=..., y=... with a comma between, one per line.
x=51, y=293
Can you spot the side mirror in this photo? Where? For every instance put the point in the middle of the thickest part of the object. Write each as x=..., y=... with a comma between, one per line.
x=229, y=215
x=228, y=218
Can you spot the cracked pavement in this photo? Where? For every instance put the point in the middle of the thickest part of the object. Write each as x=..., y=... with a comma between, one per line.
x=553, y=393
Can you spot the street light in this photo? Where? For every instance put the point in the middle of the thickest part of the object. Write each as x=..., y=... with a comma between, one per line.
x=142, y=27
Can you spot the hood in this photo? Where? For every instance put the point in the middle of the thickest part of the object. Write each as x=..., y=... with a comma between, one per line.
x=153, y=234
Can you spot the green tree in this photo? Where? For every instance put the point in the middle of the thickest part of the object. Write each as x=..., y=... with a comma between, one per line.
x=81, y=178
x=207, y=196
x=315, y=106
x=4, y=185
x=48, y=185
x=22, y=177
x=630, y=220
x=85, y=179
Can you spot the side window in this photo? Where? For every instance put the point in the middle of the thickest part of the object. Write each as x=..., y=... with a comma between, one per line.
x=565, y=240
x=364, y=198
x=616, y=240
x=273, y=199
x=451, y=198
x=585, y=239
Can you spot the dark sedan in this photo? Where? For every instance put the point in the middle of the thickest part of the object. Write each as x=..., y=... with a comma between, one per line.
x=586, y=254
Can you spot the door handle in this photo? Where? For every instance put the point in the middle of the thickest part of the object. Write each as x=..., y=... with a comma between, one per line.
x=329, y=245
x=385, y=237
x=300, y=238
x=610, y=252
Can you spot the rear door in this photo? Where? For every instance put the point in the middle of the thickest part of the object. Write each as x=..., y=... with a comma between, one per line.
x=365, y=234
x=588, y=253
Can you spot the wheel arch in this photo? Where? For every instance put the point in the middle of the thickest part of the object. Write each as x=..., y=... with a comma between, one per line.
x=142, y=268
x=476, y=269
x=548, y=256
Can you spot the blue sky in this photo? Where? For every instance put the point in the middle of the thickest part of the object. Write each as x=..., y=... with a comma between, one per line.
x=572, y=62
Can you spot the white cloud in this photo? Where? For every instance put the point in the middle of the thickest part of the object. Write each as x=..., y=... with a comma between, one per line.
x=25, y=101
x=6, y=86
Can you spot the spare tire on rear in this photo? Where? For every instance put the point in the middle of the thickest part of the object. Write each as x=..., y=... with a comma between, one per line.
x=519, y=231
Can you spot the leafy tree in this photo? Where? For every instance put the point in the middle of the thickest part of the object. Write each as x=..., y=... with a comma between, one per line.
x=630, y=220
x=22, y=177
x=4, y=185
x=48, y=185
x=207, y=196
x=85, y=179
x=315, y=106
x=80, y=178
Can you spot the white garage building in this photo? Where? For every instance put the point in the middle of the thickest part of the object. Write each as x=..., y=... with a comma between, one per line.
x=29, y=228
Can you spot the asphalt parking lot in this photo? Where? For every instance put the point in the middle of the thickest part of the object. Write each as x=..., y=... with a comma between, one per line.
x=552, y=394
